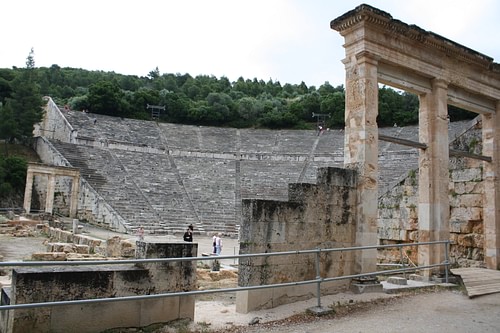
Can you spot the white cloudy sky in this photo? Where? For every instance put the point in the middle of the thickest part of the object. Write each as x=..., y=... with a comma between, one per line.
x=285, y=40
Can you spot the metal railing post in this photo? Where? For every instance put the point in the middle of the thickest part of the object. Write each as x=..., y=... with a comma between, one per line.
x=402, y=260
x=446, y=260
x=318, y=277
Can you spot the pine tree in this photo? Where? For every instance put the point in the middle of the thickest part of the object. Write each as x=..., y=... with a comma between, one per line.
x=24, y=106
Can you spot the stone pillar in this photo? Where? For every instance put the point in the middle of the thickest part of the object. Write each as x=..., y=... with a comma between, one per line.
x=361, y=150
x=49, y=200
x=28, y=190
x=172, y=276
x=433, y=206
x=75, y=188
x=491, y=205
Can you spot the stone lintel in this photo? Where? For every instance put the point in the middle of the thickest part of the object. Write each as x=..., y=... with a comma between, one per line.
x=383, y=20
x=419, y=56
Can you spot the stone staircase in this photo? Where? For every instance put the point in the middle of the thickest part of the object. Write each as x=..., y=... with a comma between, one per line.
x=167, y=176
x=109, y=179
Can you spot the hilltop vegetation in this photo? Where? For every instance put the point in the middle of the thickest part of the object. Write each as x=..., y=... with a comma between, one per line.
x=208, y=100
x=200, y=100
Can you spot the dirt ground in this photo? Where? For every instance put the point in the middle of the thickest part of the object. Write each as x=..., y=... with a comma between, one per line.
x=415, y=312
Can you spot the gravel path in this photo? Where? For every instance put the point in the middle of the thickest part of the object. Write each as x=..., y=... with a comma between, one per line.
x=444, y=311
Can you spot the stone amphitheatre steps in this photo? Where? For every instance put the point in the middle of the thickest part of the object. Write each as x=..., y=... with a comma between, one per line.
x=167, y=176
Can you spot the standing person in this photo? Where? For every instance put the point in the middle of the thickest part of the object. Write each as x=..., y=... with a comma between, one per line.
x=140, y=233
x=188, y=235
x=214, y=243
x=218, y=245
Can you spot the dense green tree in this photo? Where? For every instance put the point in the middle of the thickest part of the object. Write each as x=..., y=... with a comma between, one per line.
x=138, y=101
x=25, y=103
x=273, y=88
x=222, y=105
x=79, y=102
x=8, y=124
x=12, y=175
x=249, y=109
x=6, y=76
x=154, y=74
x=176, y=107
x=105, y=97
x=333, y=104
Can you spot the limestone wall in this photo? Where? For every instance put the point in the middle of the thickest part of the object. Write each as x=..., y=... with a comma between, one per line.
x=316, y=216
x=30, y=285
x=54, y=125
x=91, y=205
x=398, y=208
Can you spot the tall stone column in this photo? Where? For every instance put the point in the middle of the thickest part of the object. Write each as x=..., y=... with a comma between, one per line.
x=433, y=206
x=28, y=191
x=75, y=188
x=491, y=205
x=361, y=150
x=49, y=200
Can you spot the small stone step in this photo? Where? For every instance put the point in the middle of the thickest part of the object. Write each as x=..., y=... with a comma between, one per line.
x=397, y=280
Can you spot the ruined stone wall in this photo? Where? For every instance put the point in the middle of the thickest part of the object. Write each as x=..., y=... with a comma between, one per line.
x=466, y=202
x=398, y=209
x=54, y=126
x=316, y=216
x=91, y=206
x=31, y=285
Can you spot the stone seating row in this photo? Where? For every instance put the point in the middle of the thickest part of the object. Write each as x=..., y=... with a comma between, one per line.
x=178, y=190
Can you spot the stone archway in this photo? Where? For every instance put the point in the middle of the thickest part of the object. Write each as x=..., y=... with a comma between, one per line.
x=52, y=172
x=380, y=49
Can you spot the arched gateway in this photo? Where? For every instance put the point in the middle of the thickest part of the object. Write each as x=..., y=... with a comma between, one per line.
x=380, y=49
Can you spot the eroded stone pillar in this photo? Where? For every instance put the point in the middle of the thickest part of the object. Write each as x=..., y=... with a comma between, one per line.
x=433, y=207
x=75, y=188
x=491, y=205
x=28, y=191
x=49, y=200
x=361, y=150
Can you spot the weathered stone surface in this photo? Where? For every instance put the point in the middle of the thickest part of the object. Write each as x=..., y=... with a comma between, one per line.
x=397, y=280
x=49, y=256
x=30, y=285
x=317, y=215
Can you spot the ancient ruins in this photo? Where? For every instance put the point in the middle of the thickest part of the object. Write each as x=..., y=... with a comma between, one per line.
x=293, y=190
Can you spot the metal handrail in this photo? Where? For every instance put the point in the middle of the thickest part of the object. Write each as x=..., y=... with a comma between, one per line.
x=318, y=280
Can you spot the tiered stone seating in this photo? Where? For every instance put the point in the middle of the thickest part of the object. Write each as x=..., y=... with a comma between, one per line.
x=268, y=179
x=217, y=139
x=118, y=129
x=258, y=141
x=198, y=174
x=211, y=187
x=99, y=168
x=157, y=179
x=181, y=137
x=295, y=142
x=331, y=142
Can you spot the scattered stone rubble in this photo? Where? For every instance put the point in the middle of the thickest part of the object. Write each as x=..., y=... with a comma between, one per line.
x=64, y=245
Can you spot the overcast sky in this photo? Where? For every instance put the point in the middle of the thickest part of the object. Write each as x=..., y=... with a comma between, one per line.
x=285, y=40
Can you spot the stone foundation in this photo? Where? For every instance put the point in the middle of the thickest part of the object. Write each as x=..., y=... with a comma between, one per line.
x=317, y=216
x=33, y=285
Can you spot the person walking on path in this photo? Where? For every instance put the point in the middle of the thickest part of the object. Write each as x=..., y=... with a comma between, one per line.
x=218, y=244
x=140, y=233
x=214, y=244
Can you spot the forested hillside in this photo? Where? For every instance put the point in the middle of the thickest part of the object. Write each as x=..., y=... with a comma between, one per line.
x=208, y=100
x=180, y=98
